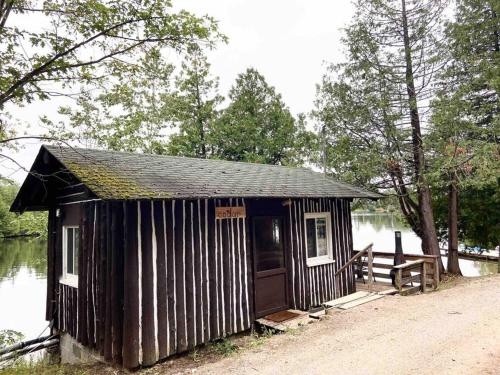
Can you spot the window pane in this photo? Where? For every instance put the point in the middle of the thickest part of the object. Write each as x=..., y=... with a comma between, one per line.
x=69, y=250
x=268, y=244
x=311, y=237
x=77, y=249
x=321, y=237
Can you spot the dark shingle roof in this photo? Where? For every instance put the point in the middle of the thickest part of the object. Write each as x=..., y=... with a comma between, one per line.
x=122, y=175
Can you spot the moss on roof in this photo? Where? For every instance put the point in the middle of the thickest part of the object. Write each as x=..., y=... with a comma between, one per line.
x=121, y=175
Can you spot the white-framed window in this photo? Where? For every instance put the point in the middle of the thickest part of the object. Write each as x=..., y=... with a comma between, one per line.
x=71, y=248
x=318, y=238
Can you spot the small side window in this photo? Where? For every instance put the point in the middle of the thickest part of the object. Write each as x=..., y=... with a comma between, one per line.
x=71, y=247
x=318, y=236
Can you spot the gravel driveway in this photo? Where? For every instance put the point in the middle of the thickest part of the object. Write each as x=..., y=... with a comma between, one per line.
x=452, y=331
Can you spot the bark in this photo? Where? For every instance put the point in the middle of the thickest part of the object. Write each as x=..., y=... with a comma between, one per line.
x=429, y=236
x=201, y=128
x=453, y=265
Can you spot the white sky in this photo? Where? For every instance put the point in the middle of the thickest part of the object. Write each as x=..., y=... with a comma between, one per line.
x=288, y=41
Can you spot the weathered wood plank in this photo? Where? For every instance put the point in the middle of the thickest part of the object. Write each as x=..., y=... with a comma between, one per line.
x=213, y=276
x=117, y=254
x=148, y=291
x=171, y=275
x=180, y=275
x=161, y=290
x=346, y=299
x=108, y=339
x=360, y=301
x=197, y=274
x=50, y=305
x=131, y=285
x=90, y=275
x=188, y=276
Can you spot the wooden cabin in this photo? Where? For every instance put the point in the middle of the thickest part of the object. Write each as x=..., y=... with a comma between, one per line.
x=152, y=255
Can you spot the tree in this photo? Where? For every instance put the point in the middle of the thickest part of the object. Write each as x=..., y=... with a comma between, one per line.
x=466, y=121
x=257, y=126
x=194, y=106
x=129, y=112
x=392, y=50
x=13, y=224
x=82, y=41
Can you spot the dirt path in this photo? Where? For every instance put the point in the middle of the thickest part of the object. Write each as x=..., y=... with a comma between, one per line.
x=453, y=331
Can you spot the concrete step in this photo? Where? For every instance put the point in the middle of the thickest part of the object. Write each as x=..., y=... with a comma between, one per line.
x=290, y=324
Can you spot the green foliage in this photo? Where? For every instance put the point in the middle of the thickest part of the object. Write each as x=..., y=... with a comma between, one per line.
x=128, y=113
x=357, y=124
x=257, y=126
x=367, y=108
x=9, y=337
x=194, y=107
x=11, y=223
x=466, y=111
x=44, y=367
x=479, y=216
x=362, y=106
x=225, y=347
x=466, y=123
x=82, y=42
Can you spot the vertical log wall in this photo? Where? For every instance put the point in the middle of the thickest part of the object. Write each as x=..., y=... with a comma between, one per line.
x=187, y=278
x=160, y=277
x=310, y=286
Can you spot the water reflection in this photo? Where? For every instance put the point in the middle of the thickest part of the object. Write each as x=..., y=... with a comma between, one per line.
x=379, y=229
x=23, y=273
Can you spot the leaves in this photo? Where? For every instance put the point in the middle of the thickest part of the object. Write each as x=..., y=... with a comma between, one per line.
x=194, y=107
x=128, y=113
x=81, y=41
x=466, y=121
x=257, y=126
x=12, y=224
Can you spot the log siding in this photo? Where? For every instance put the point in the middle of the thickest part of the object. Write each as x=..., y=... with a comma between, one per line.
x=161, y=277
x=313, y=285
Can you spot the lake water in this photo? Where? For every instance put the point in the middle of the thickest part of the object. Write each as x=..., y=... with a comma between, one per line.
x=23, y=276
x=23, y=267
x=379, y=229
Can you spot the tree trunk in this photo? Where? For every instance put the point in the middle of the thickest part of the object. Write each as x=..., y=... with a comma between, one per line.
x=453, y=265
x=429, y=236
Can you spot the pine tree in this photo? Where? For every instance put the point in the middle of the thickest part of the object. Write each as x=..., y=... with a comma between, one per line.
x=381, y=91
x=194, y=107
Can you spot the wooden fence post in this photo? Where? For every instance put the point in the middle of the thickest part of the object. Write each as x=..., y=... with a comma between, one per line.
x=398, y=280
x=370, y=268
x=423, y=277
x=436, y=274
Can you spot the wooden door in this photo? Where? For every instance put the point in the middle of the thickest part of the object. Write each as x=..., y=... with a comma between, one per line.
x=270, y=266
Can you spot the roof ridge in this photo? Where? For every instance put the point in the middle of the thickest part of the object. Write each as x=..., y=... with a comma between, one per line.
x=48, y=146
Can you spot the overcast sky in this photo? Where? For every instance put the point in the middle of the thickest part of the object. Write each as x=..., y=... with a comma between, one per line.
x=288, y=41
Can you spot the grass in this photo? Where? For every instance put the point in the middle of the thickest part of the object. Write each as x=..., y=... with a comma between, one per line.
x=45, y=368
x=211, y=352
x=225, y=347
x=449, y=281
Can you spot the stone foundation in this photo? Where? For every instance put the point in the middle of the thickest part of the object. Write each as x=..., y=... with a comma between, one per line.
x=73, y=352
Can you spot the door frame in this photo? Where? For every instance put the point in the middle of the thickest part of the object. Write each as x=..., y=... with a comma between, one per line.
x=273, y=271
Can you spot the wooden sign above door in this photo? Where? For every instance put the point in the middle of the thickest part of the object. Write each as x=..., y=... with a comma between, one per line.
x=230, y=212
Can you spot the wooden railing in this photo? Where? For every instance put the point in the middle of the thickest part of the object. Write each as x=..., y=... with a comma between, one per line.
x=431, y=276
x=404, y=277
x=369, y=252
